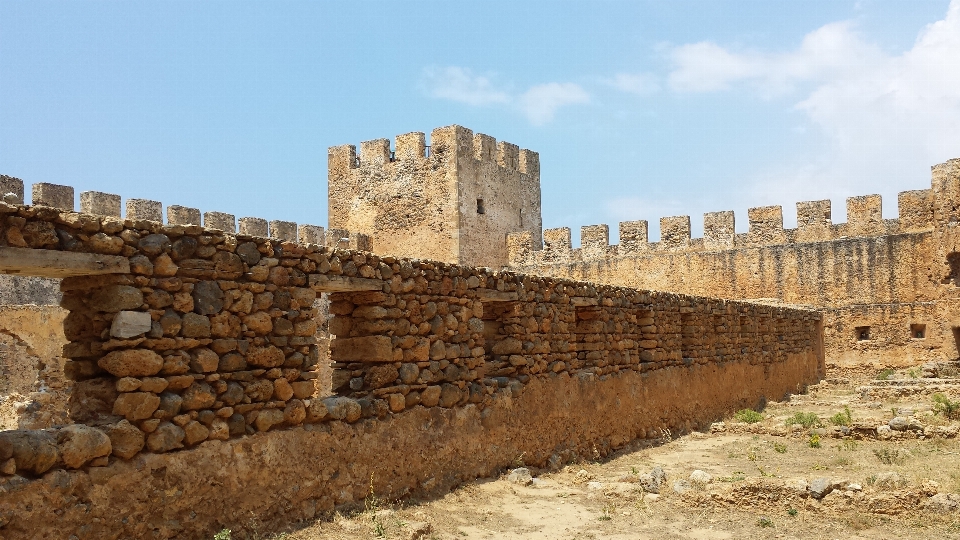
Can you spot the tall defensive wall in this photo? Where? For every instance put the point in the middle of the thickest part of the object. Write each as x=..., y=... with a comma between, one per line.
x=888, y=287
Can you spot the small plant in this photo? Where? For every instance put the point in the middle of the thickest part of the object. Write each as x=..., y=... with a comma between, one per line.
x=605, y=513
x=378, y=529
x=843, y=418
x=792, y=511
x=765, y=522
x=224, y=534
x=780, y=448
x=634, y=470
x=807, y=420
x=518, y=461
x=914, y=374
x=890, y=457
x=737, y=476
x=942, y=405
x=885, y=374
x=748, y=416
x=814, y=441
x=849, y=445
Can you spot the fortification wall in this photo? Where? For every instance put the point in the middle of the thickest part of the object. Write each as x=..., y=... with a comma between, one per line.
x=884, y=277
x=452, y=201
x=193, y=350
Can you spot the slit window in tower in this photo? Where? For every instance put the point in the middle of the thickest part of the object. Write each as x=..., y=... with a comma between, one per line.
x=480, y=208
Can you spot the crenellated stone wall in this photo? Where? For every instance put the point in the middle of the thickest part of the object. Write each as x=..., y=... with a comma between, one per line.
x=190, y=340
x=887, y=288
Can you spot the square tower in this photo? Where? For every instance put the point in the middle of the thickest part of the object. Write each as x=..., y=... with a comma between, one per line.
x=453, y=201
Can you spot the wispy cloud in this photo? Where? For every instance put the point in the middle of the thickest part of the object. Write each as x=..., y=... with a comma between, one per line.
x=463, y=86
x=539, y=103
x=634, y=83
x=880, y=116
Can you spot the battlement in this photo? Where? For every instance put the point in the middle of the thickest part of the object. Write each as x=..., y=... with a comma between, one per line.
x=814, y=224
x=110, y=205
x=444, y=142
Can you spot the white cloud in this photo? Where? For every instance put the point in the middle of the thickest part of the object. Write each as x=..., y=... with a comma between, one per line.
x=461, y=85
x=634, y=83
x=883, y=118
x=539, y=103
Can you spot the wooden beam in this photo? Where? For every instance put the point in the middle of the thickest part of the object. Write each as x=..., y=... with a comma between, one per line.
x=59, y=264
x=490, y=295
x=327, y=283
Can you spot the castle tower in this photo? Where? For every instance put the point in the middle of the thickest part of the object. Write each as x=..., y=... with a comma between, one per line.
x=454, y=201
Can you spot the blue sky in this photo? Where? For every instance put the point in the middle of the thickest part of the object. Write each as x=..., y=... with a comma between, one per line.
x=639, y=109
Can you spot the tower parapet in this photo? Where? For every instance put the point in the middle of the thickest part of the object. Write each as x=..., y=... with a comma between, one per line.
x=454, y=200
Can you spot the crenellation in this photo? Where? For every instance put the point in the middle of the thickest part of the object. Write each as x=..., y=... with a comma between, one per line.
x=915, y=210
x=100, y=204
x=10, y=185
x=182, y=215
x=594, y=241
x=530, y=162
x=220, y=221
x=557, y=244
x=508, y=155
x=53, y=195
x=410, y=146
x=337, y=238
x=945, y=183
x=634, y=237
x=311, y=234
x=375, y=152
x=814, y=221
x=253, y=226
x=341, y=158
x=144, y=210
x=283, y=230
x=864, y=216
x=484, y=147
x=360, y=242
x=718, y=230
x=766, y=225
x=674, y=232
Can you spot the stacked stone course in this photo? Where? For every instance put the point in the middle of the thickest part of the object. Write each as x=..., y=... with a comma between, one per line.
x=211, y=335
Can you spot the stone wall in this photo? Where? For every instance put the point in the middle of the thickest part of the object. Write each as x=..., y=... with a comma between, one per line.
x=889, y=277
x=206, y=346
x=453, y=201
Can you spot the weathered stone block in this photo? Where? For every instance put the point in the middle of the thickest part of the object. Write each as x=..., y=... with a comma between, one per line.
x=362, y=349
x=143, y=209
x=311, y=234
x=80, y=444
x=101, y=204
x=131, y=363
x=283, y=230
x=182, y=215
x=128, y=324
x=53, y=195
x=253, y=226
x=219, y=220
x=11, y=189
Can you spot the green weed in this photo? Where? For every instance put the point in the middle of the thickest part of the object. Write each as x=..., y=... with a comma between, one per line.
x=885, y=374
x=942, y=405
x=814, y=441
x=748, y=416
x=843, y=418
x=807, y=420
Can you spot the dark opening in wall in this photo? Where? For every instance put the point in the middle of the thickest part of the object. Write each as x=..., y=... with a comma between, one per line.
x=480, y=207
x=862, y=333
x=918, y=331
x=953, y=260
x=956, y=341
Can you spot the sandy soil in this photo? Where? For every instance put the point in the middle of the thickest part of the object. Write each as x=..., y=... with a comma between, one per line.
x=758, y=487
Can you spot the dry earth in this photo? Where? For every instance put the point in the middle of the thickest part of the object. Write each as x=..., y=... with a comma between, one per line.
x=762, y=476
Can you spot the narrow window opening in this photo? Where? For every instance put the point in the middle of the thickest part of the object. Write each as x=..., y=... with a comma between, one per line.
x=918, y=331
x=863, y=333
x=480, y=208
x=521, y=217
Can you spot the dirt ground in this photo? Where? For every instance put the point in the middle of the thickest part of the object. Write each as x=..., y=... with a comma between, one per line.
x=761, y=480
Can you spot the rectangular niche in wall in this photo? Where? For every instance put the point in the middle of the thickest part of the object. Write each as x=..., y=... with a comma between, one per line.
x=862, y=333
x=918, y=331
